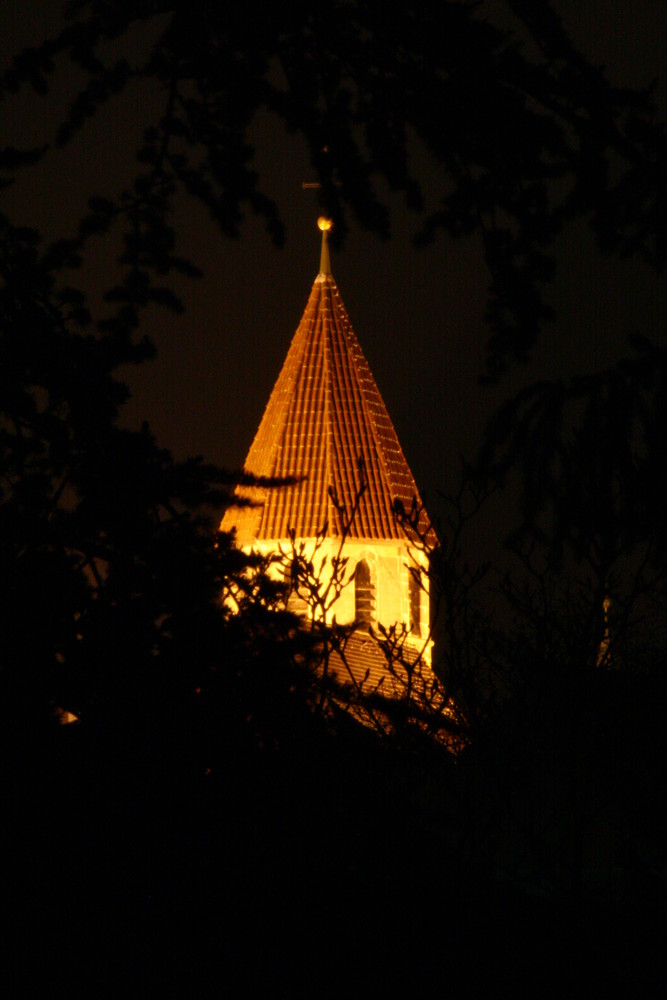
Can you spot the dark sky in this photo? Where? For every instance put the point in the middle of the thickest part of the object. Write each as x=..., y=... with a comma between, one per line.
x=417, y=313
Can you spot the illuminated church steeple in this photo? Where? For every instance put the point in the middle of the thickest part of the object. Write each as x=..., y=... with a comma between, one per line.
x=326, y=425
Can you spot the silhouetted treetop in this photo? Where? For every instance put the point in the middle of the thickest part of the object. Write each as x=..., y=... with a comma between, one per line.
x=111, y=570
x=524, y=133
x=590, y=454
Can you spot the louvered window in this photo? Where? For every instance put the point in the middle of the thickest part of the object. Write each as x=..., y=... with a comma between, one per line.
x=415, y=602
x=295, y=601
x=364, y=593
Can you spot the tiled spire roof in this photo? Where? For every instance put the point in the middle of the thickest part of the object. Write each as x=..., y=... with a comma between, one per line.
x=325, y=416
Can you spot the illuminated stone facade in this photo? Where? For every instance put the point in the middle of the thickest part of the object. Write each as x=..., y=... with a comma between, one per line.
x=327, y=426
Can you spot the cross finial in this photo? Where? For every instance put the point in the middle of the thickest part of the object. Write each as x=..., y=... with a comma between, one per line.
x=324, y=224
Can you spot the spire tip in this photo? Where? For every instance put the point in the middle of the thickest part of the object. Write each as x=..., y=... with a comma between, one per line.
x=325, y=225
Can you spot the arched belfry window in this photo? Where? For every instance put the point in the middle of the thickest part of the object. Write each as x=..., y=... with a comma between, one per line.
x=364, y=593
x=295, y=601
x=415, y=590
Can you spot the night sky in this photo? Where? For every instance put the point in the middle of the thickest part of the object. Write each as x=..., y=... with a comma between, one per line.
x=417, y=313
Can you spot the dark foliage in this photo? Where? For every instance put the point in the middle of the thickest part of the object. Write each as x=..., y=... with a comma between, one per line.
x=523, y=133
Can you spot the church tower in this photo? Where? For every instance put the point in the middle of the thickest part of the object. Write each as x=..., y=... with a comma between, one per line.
x=327, y=426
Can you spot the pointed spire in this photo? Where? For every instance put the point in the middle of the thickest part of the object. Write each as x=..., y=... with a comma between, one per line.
x=325, y=225
x=325, y=416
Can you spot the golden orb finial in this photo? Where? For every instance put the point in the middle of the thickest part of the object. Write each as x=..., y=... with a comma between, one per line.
x=325, y=225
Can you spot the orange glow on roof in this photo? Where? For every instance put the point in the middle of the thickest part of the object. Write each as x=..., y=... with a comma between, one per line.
x=325, y=414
